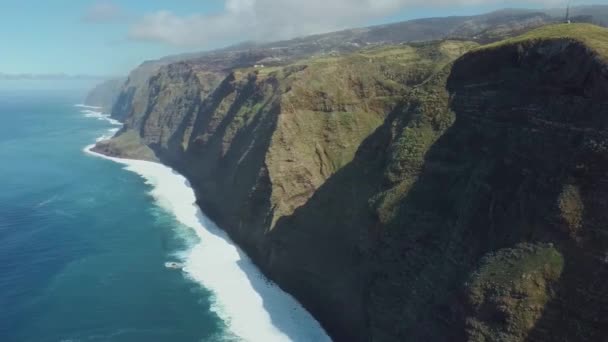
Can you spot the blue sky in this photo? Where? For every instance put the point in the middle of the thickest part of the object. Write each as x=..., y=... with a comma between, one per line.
x=105, y=37
x=54, y=36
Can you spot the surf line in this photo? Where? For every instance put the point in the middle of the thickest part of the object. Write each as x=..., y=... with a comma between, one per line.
x=252, y=307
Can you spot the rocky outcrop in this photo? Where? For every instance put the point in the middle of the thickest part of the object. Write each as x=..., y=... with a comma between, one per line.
x=126, y=145
x=404, y=192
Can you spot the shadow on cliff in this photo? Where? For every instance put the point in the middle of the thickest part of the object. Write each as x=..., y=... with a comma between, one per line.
x=578, y=310
x=286, y=319
x=318, y=253
x=239, y=197
x=490, y=181
x=394, y=280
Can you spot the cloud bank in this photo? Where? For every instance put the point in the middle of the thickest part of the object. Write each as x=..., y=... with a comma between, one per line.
x=278, y=19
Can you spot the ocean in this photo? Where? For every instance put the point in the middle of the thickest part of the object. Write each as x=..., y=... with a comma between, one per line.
x=84, y=241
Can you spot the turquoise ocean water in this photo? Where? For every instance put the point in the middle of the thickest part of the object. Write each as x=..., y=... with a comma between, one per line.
x=82, y=243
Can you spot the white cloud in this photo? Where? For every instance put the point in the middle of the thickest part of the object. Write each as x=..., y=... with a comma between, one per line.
x=277, y=19
x=102, y=11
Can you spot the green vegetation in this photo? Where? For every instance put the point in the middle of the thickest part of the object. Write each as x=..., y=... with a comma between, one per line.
x=334, y=102
x=126, y=145
x=572, y=208
x=505, y=269
x=595, y=37
x=510, y=290
x=464, y=174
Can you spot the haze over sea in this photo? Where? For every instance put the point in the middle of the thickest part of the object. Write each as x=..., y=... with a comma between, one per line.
x=84, y=241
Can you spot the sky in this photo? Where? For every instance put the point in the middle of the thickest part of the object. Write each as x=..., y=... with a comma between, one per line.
x=110, y=37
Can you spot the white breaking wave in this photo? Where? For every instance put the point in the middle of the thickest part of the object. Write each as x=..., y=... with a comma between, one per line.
x=100, y=116
x=87, y=106
x=253, y=308
x=107, y=136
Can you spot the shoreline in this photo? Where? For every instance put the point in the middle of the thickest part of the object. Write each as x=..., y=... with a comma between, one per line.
x=252, y=307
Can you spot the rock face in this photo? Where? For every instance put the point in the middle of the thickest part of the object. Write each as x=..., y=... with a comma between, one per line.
x=105, y=94
x=133, y=97
x=414, y=192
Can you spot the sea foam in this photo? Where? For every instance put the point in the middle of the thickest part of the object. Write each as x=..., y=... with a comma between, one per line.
x=252, y=307
x=90, y=112
x=86, y=106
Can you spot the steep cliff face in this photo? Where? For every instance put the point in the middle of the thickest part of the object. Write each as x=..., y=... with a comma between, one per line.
x=104, y=95
x=133, y=97
x=262, y=142
x=404, y=193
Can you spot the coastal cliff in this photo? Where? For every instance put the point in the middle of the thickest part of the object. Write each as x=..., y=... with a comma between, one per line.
x=105, y=94
x=432, y=191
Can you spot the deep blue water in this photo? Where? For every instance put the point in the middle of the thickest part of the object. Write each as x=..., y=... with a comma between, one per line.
x=82, y=244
